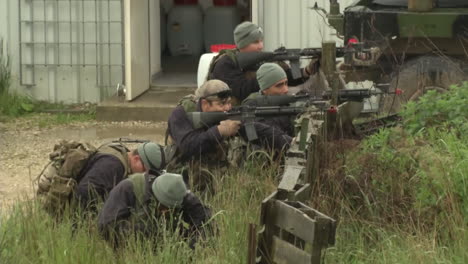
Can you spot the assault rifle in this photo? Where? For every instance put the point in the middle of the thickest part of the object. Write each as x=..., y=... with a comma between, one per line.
x=251, y=59
x=344, y=95
x=130, y=140
x=247, y=114
x=275, y=105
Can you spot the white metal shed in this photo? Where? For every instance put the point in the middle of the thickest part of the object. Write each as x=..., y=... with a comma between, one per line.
x=78, y=50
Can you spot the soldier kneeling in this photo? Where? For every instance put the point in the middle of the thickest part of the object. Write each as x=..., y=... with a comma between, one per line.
x=142, y=202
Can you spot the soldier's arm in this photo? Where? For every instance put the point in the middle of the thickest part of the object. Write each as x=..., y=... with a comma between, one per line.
x=270, y=137
x=191, y=141
x=103, y=173
x=196, y=215
x=114, y=216
x=226, y=70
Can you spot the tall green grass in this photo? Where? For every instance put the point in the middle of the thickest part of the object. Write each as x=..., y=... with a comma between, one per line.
x=28, y=235
x=401, y=195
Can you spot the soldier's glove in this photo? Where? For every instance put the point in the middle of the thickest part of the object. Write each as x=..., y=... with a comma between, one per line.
x=312, y=68
x=229, y=128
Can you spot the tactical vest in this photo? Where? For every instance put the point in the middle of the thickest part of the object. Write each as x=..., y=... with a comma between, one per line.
x=189, y=104
x=231, y=53
x=252, y=96
x=139, y=187
x=145, y=215
x=67, y=162
x=120, y=152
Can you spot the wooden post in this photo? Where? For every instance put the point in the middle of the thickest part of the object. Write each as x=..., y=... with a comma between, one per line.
x=303, y=136
x=252, y=244
x=329, y=68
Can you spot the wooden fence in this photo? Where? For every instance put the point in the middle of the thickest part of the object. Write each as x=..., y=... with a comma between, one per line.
x=290, y=231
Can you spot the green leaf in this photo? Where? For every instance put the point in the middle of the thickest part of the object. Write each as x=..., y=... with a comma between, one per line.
x=27, y=107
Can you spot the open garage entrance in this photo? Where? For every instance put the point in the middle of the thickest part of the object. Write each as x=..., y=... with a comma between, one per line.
x=165, y=39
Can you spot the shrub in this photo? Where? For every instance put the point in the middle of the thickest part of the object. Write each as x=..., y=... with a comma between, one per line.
x=11, y=104
x=5, y=70
x=437, y=109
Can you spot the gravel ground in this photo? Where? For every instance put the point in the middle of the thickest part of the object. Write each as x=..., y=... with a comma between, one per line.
x=24, y=147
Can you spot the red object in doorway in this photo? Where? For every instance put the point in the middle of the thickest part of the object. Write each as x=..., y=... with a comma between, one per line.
x=218, y=47
x=186, y=2
x=224, y=2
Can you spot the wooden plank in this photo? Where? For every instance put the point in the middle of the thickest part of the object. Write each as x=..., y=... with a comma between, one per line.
x=290, y=177
x=264, y=208
x=310, y=211
x=264, y=239
x=292, y=220
x=303, y=134
x=285, y=253
x=294, y=152
x=312, y=160
x=294, y=161
x=325, y=224
x=252, y=244
x=313, y=151
x=303, y=194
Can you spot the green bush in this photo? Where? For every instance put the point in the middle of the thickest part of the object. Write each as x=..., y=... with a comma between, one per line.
x=11, y=104
x=5, y=70
x=437, y=109
x=404, y=188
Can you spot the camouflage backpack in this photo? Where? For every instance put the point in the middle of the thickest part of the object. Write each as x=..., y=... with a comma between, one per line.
x=60, y=176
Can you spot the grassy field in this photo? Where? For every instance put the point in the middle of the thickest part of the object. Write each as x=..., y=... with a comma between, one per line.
x=388, y=218
x=29, y=235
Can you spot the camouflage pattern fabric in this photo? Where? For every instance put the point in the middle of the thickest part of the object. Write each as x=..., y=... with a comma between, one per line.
x=59, y=177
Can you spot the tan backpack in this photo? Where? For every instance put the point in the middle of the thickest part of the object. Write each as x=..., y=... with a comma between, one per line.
x=67, y=160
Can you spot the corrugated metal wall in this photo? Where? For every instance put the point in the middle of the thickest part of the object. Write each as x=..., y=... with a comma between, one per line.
x=293, y=24
x=67, y=50
x=71, y=50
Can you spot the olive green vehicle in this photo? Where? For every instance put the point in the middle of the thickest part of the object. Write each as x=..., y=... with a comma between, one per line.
x=414, y=45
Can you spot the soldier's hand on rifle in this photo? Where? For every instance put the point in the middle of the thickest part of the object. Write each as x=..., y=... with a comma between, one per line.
x=312, y=68
x=229, y=128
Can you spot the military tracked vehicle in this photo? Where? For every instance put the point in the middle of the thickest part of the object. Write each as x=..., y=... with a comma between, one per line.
x=414, y=45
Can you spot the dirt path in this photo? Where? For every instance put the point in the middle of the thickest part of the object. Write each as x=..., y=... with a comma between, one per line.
x=24, y=148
